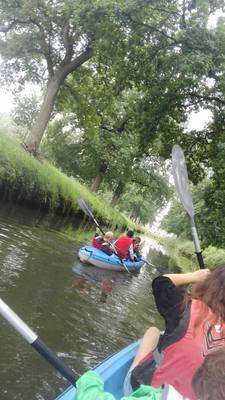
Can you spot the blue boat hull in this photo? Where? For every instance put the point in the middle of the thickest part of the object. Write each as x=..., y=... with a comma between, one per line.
x=112, y=370
x=91, y=255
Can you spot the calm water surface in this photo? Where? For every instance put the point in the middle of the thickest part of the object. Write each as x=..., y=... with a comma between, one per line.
x=82, y=313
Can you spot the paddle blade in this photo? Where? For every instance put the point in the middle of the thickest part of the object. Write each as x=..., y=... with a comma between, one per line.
x=181, y=179
x=85, y=208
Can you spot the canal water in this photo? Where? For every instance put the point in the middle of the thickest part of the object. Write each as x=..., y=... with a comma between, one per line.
x=82, y=313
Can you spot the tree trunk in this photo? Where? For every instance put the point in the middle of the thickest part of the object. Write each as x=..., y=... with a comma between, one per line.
x=99, y=178
x=117, y=194
x=33, y=141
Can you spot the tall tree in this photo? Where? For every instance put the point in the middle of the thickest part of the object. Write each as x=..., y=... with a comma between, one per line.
x=105, y=113
x=45, y=41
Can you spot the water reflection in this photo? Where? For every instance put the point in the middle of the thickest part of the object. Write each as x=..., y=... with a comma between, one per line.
x=87, y=276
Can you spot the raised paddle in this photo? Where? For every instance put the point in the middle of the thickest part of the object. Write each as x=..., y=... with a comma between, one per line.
x=86, y=209
x=35, y=342
x=183, y=190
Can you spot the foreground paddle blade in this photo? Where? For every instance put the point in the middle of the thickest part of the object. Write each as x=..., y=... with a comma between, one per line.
x=181, y=179
x=183, y=190
x=85, y=208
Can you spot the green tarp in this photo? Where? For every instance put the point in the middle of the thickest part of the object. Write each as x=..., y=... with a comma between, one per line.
x=90, y=387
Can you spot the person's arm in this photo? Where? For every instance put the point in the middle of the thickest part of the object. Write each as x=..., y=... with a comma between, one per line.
x=169, y=293
x=190, y=277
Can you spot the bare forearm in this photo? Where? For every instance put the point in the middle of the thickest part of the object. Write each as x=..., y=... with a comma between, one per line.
x=190, y=277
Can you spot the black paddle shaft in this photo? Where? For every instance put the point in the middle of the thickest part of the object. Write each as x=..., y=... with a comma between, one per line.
x=198, y=250
x=31, y=337
x=52, y=358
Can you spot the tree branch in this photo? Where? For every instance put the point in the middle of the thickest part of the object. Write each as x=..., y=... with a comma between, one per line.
x=47, y=48
x=123, y=124
x=64, y=70
x=164, y=10
x=102, y=126
x=68, y=44
x=14, y=22
x=183, y=19
x=105, y=128
x=206, y=98
x=153, y=28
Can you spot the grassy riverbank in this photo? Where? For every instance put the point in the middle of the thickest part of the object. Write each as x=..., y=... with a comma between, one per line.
x=182, y=255
x=38, y=184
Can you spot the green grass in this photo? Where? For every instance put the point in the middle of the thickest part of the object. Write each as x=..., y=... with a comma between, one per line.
x=23, y=177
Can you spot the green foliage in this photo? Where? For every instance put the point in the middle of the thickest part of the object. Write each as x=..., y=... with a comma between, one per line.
x=43, y=31
x=181, y=253
x=214, y=217
x=26, y=110
x=146, y=194
x=45, y=41
x=40, y=182
x=176, y=221
x=8, y=127
x=183, y=257
x=214, y=256
x=150, y=65
x=163, y=49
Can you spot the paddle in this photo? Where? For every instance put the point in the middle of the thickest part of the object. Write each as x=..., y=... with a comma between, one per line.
x=183, y=190
x=86, y=209
x=31, y=337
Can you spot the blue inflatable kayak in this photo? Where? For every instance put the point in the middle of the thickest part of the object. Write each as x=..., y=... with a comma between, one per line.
x=91, y=255
x=112, y=370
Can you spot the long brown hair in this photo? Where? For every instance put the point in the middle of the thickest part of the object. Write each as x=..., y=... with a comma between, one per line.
x=212, y=293
x=209, y=380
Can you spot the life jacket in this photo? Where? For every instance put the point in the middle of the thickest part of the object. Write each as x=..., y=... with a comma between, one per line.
x=122, y=246
x=180, y=353
x=97, y=242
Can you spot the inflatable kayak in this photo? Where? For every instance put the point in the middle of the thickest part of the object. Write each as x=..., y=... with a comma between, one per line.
x=113, y=371
x=91, y=255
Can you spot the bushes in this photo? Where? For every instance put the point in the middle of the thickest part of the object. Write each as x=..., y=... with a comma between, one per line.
x=214, y=256
x=183, y=257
